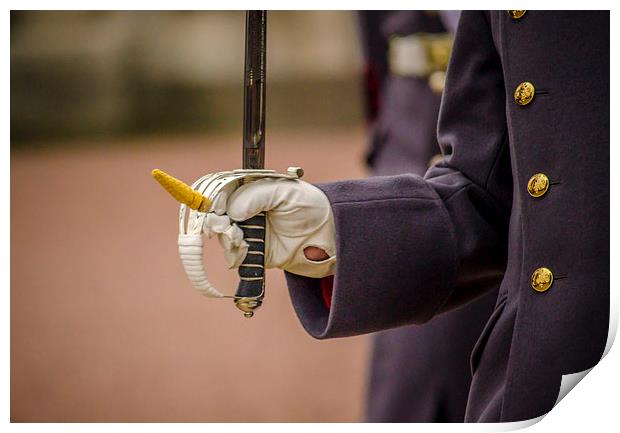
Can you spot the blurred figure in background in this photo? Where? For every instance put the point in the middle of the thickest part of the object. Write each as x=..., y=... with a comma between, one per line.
x=417, y=373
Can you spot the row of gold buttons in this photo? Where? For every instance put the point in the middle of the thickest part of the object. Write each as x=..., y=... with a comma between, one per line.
x=542, y=278
x=524, y=93
x=538, y=185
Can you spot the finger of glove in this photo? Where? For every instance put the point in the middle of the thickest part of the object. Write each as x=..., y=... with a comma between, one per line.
x=230, y=235
x=234, y=252
x=214, y=224
x=253, y=198
x=220, y=200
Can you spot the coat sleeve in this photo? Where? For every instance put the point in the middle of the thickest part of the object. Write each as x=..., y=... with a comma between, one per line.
x=408, y=247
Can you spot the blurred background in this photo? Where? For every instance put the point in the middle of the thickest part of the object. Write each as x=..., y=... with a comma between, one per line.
x=104, y=324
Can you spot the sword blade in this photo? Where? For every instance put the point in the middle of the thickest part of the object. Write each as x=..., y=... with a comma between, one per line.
x=251, y=289
x=254, y=90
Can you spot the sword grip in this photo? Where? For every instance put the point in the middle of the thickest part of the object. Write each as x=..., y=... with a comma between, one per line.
x=250, y=291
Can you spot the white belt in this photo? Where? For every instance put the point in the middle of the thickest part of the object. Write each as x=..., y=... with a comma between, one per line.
x=419, y=54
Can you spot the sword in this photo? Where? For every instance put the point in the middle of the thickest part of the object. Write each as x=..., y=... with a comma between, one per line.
x=199, y=197
x=251, y=289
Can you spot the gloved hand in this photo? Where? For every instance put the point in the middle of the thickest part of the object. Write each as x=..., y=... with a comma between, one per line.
x=299, y=217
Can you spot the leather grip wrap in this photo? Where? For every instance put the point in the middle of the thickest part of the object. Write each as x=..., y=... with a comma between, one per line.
x=252, y=270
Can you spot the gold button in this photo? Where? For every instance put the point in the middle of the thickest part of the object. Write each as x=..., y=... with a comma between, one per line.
x=542, y=279
x=515, y=15
x=538, y=185
x=524, y=93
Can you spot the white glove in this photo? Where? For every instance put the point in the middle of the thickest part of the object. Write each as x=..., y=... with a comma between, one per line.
x=298, y=216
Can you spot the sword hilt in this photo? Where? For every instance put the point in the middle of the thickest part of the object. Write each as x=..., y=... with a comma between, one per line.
x=251, y=289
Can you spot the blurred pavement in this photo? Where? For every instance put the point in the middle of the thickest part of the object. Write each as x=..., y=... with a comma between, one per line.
x=104, y=324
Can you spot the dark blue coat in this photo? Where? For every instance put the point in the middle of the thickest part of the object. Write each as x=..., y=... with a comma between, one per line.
x=410, y=248
x=417, y=373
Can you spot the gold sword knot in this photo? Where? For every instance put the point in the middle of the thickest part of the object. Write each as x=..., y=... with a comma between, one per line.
x=182, y=192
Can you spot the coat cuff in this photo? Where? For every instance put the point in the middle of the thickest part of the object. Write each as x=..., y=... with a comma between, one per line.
x=396, y=258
